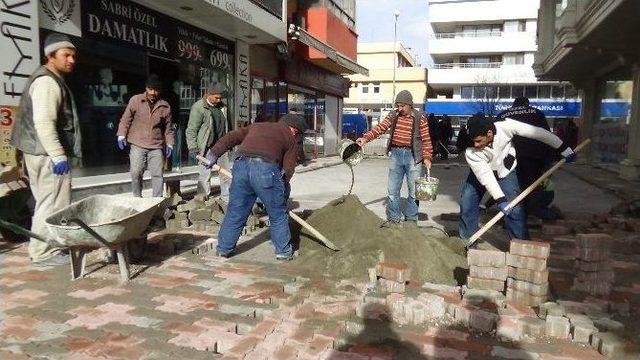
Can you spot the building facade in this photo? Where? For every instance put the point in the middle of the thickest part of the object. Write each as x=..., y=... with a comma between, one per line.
x=594, y=45
x=247, y=45
x=483, y=52
x=391, y=69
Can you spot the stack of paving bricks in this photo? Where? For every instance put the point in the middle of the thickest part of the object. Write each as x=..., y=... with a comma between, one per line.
x=594, y=268
x=528, y=280
x=487, y=270
x=392, y=277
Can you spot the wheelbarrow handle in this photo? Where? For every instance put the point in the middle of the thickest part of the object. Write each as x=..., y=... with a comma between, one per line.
x=22, y=231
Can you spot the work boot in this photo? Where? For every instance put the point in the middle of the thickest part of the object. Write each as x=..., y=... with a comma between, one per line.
x=391, y=224
x=284, y=257
x=55, y=260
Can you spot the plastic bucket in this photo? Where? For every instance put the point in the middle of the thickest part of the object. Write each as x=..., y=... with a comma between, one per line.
x=427, y=188
x=350, y=152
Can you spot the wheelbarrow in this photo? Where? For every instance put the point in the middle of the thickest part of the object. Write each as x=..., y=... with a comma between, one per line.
x=97, y=221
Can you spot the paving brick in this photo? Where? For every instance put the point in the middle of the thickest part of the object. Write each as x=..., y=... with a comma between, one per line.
x=593, y=265
x=513, y=353
x=462, y=314
x=435, y=306
x=533, y=326
x=517, y=308
x=532, y=276
x=581, y=332
x=593, y=240
x=557, y=327
x=477, y=283
x=606, y=324
x=537, y=249
x=486, y=258
x=552, y=229
x=526, y=262
x=597, y=276
x=394, y=272
x=608, y=344
x=593, y=254
x=483, y=320
x=527, y=287
x=525, y=298
x=592, y=287
x=509, y=328
x=391, y=286
x=488, y=272
x=479, y=296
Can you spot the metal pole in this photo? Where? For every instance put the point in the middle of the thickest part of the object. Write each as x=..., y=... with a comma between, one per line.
x=395, y=55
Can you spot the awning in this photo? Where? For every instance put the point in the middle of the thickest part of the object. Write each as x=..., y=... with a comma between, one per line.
x=340, y=63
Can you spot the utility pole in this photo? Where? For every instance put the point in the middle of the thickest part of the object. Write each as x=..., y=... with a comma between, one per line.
x=395, y=55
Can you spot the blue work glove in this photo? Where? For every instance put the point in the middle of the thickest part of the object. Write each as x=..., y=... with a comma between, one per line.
x=502, y=205
x=61, y=167
x=213, y=159
x=122, y=142
x=569, y=155
x=194, y=154
x=168, y=150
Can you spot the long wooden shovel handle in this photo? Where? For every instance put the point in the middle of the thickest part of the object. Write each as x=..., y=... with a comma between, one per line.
x=522, y=195
x=295, y=217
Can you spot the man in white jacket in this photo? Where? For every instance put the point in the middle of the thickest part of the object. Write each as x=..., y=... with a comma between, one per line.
x=492, y=160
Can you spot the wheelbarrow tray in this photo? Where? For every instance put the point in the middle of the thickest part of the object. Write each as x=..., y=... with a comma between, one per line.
x=114, y=218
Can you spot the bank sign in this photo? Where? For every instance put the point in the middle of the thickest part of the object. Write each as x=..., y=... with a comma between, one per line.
x=467, y=108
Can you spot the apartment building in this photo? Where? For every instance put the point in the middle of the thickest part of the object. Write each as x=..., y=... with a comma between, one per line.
x=594, y=44
x=392, y=68
x=483, y=52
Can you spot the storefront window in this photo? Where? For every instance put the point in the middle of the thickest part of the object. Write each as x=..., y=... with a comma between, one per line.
x=611, y=130
x=257, y=98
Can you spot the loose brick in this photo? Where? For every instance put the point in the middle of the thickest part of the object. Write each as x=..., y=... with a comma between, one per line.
x=558, y=327
x=435, y=305
x=395, y=272
x=597, y=276
x=479, y=296
x=537, y=249
x=476, y=283
x=532, y=276
x=593, y=240
x=487, y=272
x=533, y=326
x=525, y=298
x=391, y=286
x=593, y=265
x=486, y=258
x=553, y=229
x=608, y=344
x=482, y=320
x=199, y=214
x=509, y=328
x=593, y=254
x=581, y=332
x=531, y=288
x=606, y=324
x=463, y=314
x=526, y=262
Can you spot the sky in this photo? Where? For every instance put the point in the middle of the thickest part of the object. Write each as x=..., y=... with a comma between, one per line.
x=375, y=18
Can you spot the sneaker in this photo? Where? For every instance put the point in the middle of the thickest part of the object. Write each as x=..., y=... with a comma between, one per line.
x=284, y=257
x=226, y=256
x=55, y=260
x=391, y=224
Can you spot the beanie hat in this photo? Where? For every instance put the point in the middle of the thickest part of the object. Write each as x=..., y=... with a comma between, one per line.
x=55, y=41
x=216, y=88
x=404, y=97
x=153, y=82
x=520, y=101
x=479, y=125
x=296, y=121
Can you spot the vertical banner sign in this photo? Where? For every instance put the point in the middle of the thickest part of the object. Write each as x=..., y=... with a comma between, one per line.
x=61, y=16
x=7, y=119
x=18, y=46
x=242, y=110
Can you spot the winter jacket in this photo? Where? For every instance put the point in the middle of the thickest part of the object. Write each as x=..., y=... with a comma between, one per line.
x=500, y=156
x=203, y=130
x=145, y=127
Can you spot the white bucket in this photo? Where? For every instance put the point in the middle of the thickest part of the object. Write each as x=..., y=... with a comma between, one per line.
x=350, y=152
x=427, y=188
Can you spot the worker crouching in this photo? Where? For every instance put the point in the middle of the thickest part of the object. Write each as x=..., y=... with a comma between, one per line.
x=265, y=162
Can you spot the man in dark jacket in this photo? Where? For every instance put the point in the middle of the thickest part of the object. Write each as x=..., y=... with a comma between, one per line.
x=265, y=162
x=146, y=124
x=533, y=156
x=47, y=132
x=207, y=124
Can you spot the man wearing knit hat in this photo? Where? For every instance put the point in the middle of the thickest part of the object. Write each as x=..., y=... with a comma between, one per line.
x=208, y=123
x=409, y=150
x=266, y=160
x=48, y=134
x=146, y=125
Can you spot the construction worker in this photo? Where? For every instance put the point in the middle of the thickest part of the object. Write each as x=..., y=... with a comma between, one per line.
x=207, y=124
x=265, y=162
x=146, y=125
x=493, y=153
x=409, y=151
x=47, y=132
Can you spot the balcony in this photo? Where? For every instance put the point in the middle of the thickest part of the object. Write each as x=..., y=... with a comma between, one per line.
x=494, y=73
x=477, y=11
x=482, y=42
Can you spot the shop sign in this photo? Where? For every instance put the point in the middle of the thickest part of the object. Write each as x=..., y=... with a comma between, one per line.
x=242, y=82
x=129, y=23
x=61, y=16
x=253, y=14
x=195, y=45
x=7, y=119
x=19, y=42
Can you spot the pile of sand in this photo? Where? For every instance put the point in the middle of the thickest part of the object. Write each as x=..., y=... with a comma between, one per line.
x=356, y=230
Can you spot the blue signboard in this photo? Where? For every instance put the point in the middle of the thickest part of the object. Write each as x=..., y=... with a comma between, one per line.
x=549, y=108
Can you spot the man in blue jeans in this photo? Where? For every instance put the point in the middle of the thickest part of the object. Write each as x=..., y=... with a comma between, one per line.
x=265, y=162
x=409, y=150
x=492, y=160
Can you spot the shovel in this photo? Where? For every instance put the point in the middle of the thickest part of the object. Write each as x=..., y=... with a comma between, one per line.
x=522, y=195
x=295, y=217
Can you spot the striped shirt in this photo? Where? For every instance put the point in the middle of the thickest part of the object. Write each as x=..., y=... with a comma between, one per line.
x=402, y=134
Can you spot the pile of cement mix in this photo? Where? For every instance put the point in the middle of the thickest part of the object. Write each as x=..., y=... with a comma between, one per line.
x=356, y=231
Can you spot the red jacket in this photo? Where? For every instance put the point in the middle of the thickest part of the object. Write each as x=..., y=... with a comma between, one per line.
x=145, y=127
